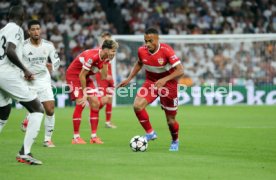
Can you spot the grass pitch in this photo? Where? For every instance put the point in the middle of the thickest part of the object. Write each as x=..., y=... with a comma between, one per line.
x=237, y=142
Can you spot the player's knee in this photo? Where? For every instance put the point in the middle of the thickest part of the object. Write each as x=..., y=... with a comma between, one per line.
x=94, y=103
x=138, y=106
x=50, y=112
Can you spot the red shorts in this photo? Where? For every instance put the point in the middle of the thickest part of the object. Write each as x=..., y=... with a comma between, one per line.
x=167, y=94
x=106, y=87
x=76, y=89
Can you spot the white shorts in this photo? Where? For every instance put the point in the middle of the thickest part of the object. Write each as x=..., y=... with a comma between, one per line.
x=44, y=93
x=14, y=86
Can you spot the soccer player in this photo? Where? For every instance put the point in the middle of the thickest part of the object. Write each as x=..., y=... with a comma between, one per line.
x=80, y=77
x=36, y=52
x=13, y=85
x=162, y=68
x=106, y=87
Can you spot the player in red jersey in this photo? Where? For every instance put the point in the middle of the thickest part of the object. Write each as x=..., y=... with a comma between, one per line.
x=106, y=86
x=163, y=68
x=80, y=77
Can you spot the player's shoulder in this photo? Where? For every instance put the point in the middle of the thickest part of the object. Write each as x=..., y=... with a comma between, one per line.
x=27, y=42
x=47, y=43
x=165, y=47
x=142, y=48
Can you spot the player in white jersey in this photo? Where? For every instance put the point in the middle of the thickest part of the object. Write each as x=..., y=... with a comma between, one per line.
x=13, y=85
x=36, y=52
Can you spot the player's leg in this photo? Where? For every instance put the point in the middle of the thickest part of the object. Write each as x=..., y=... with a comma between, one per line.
x=49, y=123
x=169, y=104
x=46, y=97
x=35, y=118
x=108, y=107
x=76, y=95
x=145, y=96
x=174, y=130
x=5, y=109
x=94, y=118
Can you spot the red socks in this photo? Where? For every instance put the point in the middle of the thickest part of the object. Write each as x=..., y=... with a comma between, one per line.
x=77, y=118
x=143, y=118
x=174, y=128
x=108, y=111
x=94, y=120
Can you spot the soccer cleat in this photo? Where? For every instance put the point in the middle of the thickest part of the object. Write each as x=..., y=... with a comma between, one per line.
x=96, y=140
x=110, y=125
x=24, y=125
x=174, y=146
x=49, y=144
x=28, y=159
x=151, y=136
x=78, y=140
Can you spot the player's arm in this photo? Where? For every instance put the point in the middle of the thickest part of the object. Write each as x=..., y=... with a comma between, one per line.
x=104, y=71
x=82, y=77
x=55, y=60
x=137, y=67
x=11, y=54
x=178, y=72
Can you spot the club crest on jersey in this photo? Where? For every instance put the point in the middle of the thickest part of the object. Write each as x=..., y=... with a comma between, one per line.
x=160, y=61
x=89, y=61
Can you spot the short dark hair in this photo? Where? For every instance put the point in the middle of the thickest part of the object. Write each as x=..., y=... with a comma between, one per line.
x=109, y=44
x=151, y=30
x=33, y=22
x=16, y=12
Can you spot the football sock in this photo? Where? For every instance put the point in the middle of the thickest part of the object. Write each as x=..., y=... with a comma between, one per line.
x=93, y=135
x=143, y=118
x=108, y=111
x=49, y=127
x=2, y=124
x=174, y=128
x=94, y=120
x=77, y=118
x=32, y=130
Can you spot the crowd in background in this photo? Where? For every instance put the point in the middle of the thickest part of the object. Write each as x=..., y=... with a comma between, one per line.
x=75, y=25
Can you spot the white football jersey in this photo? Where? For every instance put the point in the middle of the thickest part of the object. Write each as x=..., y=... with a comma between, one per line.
x=14, y=34
x=36, y=57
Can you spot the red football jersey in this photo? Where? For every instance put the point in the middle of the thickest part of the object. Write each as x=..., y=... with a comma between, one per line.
x=160, y=63
x=89, y=60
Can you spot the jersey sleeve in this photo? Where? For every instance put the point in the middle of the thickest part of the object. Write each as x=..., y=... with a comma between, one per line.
x=173, y=59
x=54, y=58
x=87, y=62
x=15, y=35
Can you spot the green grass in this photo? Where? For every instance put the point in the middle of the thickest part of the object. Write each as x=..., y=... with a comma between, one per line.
x=237, y=142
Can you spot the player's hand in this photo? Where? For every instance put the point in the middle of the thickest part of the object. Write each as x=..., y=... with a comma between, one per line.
x=83, y=100
x=28, y=75
x=160, y=83
x=123, y=83
x=49, y=67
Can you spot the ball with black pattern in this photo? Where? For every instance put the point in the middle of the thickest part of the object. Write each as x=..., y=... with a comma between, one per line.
x=138, y=144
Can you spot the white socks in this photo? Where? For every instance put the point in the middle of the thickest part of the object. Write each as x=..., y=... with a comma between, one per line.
x=32, y=130
x=49, y=127
x=2, y=124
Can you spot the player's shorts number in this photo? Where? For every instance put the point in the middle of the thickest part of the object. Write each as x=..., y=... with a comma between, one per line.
x=3, y=47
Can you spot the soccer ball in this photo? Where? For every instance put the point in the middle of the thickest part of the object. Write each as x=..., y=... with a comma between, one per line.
x=138, y=144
